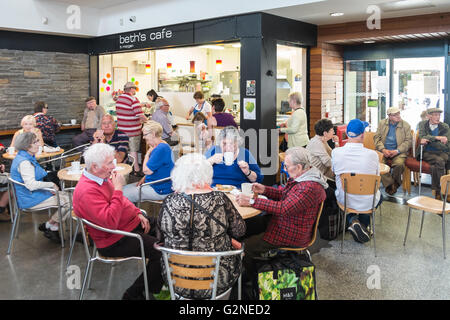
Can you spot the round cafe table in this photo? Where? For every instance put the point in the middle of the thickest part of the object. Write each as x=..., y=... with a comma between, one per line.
x=42, y=155
x=66, y=174
x=245, y=212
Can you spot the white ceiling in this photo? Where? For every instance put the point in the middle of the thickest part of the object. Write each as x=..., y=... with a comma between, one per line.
x=354, y=10
x=97, y=4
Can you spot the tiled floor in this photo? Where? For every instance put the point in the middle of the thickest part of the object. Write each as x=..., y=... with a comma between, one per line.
x=36, y=267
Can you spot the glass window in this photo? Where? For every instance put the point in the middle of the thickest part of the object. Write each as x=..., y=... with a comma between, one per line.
x=418, y=84
x=366, y=91
x=291, y=70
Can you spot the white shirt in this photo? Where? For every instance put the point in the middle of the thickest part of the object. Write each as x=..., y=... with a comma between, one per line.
x=354, y=158
x=204, y=107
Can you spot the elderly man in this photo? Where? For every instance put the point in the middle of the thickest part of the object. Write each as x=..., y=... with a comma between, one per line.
x=130, y=118
x=161, y=115
x=91, y=122
x=98, y=198
x=435, y=136
x=291, y=210
x=393, y=139
x=116, y=138
x=353, y=157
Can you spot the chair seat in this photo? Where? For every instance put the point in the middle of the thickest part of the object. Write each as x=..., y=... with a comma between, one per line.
x=428, y=204
x=414, y=165
x=350, y=210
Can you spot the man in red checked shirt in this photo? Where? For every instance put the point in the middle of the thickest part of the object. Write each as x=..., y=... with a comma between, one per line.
x=291, y=210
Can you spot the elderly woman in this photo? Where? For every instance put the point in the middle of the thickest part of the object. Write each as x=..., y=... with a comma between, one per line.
x=4, y=195
x=296, y=127
x=26, y=169
x=98, y=198
x=243, y=167
x=319, y=149
x=158, y=162
x=28, y=124
x=194, y=209
x=291, y=210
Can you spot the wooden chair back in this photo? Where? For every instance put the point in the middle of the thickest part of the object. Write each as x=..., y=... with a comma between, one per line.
x=315, y=227
x=368, y=141
x=444, y=181
x=360, y=184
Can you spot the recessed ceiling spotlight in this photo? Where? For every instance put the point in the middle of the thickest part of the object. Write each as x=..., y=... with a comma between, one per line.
x=369, y=41
x=336, y=14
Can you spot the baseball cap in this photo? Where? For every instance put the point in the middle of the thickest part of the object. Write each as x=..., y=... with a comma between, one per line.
x=356, y=127
x=392, y=110
x=129, y=85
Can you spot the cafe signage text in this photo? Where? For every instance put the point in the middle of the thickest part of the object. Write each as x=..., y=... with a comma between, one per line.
x=128, y=41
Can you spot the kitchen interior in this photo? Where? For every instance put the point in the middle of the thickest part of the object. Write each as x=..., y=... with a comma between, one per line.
x=176, y=73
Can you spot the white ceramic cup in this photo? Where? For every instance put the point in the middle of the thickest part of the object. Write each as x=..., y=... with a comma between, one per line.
x=246, y=189
x=39, y=150
x=228, y=158
x=73, y=121
x=75, y=165
x=11, y=150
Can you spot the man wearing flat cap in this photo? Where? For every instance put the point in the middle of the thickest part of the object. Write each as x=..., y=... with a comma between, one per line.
x=393, y=138
x=434, y=135
x=130, y=118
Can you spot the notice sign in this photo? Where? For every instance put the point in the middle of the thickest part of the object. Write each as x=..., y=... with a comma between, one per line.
x=250, y=88
x=249, y=108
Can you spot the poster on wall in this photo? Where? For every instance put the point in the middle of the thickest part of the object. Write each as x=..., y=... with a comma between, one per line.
x=249, y=108
x=251, y=88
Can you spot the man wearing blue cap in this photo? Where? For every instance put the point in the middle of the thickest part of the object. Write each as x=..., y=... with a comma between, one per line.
x=353, y=157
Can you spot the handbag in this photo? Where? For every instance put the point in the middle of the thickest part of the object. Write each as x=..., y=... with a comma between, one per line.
x=285, y=276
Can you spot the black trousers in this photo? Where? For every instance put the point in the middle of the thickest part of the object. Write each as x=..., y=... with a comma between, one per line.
x=128, y=246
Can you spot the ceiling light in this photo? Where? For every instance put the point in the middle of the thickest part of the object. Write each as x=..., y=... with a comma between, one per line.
x=369, y=41
x=236, y=45
x=212, y=47
x=336, y=14
x=405, y=5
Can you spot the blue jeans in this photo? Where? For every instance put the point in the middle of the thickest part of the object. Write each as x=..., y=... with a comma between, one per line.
x=364, y=219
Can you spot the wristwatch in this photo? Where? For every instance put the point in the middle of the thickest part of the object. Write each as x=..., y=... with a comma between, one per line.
x=252, y=201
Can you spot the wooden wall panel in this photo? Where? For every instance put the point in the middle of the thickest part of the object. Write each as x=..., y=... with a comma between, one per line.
x=326, y=69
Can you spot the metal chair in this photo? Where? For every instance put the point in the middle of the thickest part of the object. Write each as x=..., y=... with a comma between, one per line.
x=195, y=270
x=17, y=213
x=158, y=202
x=95, y=256
x=429, y=204
x=131, y=160
x=313, y=238
x=359, y=184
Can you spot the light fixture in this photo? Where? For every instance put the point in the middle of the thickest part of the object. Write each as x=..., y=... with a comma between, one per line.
x=236, y=45
x=336, y=14
x=212, y=47
x=369, y=41
x=147, y=68
x=44, y=20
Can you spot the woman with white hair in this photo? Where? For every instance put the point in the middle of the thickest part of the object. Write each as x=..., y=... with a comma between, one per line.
x=28, y=124
x=158, y=162
x=26, y=169
x=189, y=219
x=241, y=167
x=296, y=127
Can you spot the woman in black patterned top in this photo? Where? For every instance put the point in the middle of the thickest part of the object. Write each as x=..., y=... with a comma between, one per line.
x=47, y=124
x=191, y=180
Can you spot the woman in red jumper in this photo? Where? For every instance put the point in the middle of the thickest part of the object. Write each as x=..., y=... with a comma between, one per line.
x=99, y=199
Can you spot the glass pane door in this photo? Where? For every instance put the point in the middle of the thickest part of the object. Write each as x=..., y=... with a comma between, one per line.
x=366, y=91
x=418, y=84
